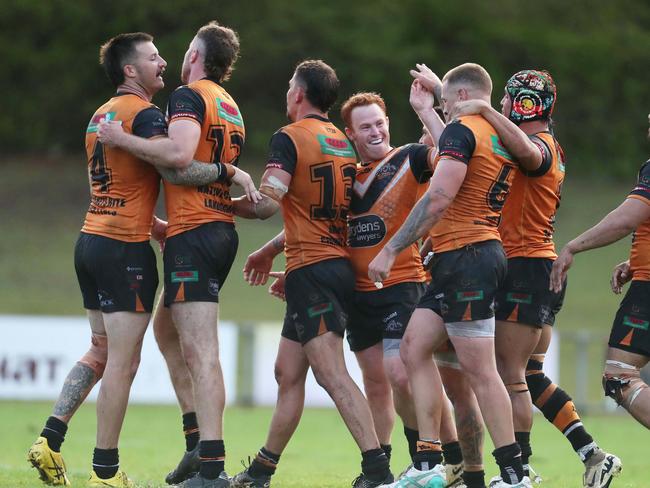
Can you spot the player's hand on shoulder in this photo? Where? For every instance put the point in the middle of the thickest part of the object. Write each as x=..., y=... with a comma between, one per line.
x=277, y=287
x=243, y=179
x=620, y=276
x=470, y=107
x=257, y=268
x=109, y=132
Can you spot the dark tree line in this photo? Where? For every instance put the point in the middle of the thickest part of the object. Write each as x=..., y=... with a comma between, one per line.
x=597, y=51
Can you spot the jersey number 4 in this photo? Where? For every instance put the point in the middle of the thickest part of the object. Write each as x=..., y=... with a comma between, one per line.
x=323, y=174
x=100, y=173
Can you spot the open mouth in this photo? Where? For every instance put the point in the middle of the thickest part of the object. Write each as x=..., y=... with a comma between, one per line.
x=376, y=142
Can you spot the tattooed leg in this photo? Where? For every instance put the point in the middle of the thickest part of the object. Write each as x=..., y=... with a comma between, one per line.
x=77, y=385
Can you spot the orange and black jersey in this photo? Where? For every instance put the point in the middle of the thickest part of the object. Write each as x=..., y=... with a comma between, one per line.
x=475, y=212
x=528, y=218
x=323, y=166
x=206, y=103
x=383, y=195
x=640, y=253
x=124, y=189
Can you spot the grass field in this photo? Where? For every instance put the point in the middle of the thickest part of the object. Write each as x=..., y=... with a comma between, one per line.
x=43, y=202
x=321, y=454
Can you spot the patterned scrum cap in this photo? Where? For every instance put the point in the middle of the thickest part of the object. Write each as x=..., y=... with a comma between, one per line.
x=532, y=94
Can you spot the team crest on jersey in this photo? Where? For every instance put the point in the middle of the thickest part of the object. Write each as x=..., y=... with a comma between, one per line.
x=97, y=118
x=229, y=112
x=335, y=147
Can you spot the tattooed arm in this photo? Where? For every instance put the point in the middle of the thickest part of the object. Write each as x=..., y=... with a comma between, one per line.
x=196, y=174
x=444, y=185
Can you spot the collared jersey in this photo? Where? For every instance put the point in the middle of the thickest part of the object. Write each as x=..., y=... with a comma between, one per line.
x=206, y=103
x=124, y=189
x=528, y=218
x=323, y=166
x=474, y=214
x=384, y=193
x=640, y=253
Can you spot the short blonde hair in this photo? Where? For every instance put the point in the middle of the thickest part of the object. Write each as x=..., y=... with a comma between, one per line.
x=471, y=75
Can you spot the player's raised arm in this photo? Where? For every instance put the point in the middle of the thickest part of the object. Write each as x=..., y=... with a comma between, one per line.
x=614, y=226
x=422, y=101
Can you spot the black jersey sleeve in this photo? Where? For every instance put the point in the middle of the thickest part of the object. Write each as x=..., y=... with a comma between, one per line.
x=149, y=123
x=642, y=187
x=186, y=103
x=419, y=158
x=547, y=158
x=457, y=142
x=282, y=153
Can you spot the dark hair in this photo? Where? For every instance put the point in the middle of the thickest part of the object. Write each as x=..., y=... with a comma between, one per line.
x=221, y=50
x=117, y=52
x=471, y=74
x=320, y=83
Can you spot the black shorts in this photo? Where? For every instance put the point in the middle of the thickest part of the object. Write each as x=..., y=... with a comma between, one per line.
x=630, y=328
x=318, y=297
x=464, y=282
x=115, y=276
x=525, y=297
x=197, y=262
x=381, y=314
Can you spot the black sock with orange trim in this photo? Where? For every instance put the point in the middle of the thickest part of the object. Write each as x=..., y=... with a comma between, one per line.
x=265, y=463
x=428, y=455
x=190, y=430
x=213, y=456
x=558, y=408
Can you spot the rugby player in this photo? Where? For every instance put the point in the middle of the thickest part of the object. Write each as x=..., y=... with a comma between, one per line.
x=467, y=423
x=469, y=185
x=205, y=125
x=388, y=183
x=629, y=340
x=310, y=173
x=115, y=264
x=526, y=308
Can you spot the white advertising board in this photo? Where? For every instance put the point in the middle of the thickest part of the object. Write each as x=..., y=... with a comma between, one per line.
x=37, y=352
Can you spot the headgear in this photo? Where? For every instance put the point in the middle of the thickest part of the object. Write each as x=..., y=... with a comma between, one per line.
x=532, y=94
